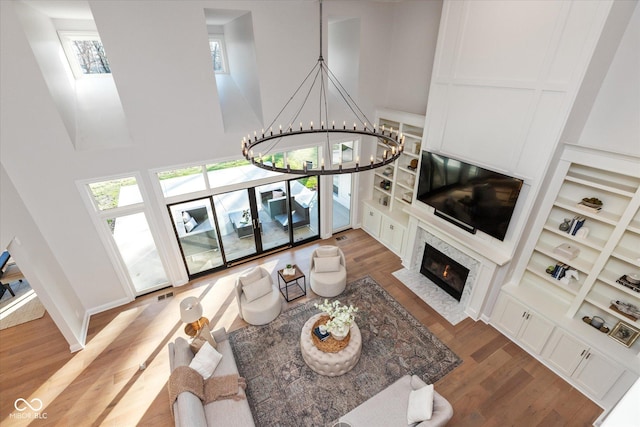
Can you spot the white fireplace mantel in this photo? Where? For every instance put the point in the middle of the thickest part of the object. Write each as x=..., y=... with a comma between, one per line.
x=488, y=257
x=467, y=242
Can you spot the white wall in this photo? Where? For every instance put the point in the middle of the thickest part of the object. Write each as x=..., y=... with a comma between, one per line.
x=159, y=54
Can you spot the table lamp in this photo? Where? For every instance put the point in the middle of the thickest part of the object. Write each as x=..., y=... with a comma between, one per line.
x=191, y=311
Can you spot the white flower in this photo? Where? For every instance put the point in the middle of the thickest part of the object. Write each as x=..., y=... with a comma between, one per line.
x=340, y=316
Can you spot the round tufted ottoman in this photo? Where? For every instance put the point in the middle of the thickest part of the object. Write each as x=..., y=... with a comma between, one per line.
x=330, y=364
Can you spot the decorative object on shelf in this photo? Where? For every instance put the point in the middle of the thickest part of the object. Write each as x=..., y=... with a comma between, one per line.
x=384, y=200
x=340, y=317
x=385, y=184
x=387, y=171
x=634, y=278
x=289, y=270
x=592, y=204
x=625, y=334
x=413, y=165
x=565, y=225
x=246, y=216
x=568, y=275
x=566, y=250
x=266, y=142
x=407, y=196
x=416, y=148
x=629, y=282
x=582, y=233
x=573, y=225
x=411, y=180
x=601, y=328
x=559, y=270
x=626, y=309
x=597, y=322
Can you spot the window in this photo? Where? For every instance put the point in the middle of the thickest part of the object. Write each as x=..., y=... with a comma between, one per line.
x=115, y=193
x=85, y=53
x=218, y=54
x=342, y=152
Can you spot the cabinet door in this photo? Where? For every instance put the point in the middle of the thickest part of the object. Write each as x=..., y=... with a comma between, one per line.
x=565, y=352
x=596, y=374
x=392, y=234
x=510, y=315
x=535, y=332
x=371, y=221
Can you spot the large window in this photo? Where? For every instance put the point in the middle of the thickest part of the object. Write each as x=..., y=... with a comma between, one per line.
x=218, y=54
x=85, y=53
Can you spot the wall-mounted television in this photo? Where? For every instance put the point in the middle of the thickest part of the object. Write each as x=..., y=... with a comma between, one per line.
x=469, y=196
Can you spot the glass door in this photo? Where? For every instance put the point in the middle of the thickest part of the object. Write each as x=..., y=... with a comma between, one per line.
x=272, y=207
x=236, y=215
x=196, y=230
x=138, y=251
x=341, y=202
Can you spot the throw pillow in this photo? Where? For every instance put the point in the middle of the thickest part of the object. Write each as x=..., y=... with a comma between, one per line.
x=203, y=336
x=206, y=361
x=327, y=251
x=327, y=264
x=250, y=276
x=190, y=225
x=276, y=194
x=186, y=216
x=420, y=404
x=257, y=289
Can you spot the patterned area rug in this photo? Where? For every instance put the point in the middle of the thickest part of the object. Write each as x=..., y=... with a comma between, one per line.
x=283, y=391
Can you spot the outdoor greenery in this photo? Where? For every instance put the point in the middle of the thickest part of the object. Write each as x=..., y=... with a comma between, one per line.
x=107, y=193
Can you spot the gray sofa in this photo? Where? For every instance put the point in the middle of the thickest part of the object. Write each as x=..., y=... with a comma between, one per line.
x=188, y=409
x=389, y=407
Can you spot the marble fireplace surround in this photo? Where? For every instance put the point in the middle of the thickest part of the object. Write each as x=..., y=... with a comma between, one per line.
x=482, y=270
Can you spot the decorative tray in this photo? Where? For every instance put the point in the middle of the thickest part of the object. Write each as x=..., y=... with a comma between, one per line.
x=587, y=320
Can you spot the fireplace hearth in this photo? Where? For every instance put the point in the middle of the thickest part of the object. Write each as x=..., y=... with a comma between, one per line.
x=445, y=272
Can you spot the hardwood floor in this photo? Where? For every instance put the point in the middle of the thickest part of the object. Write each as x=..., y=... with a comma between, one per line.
x=498, y=384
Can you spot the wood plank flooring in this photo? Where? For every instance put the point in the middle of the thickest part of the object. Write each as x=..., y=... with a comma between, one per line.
x=498, y=384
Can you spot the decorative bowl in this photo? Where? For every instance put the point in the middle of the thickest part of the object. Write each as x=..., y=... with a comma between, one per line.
x=634, y=278
x=592, y=202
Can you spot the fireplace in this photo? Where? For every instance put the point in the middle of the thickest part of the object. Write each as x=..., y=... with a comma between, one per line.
x=445, y=272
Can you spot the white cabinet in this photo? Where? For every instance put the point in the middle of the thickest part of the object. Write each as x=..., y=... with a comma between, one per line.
x=371, y=221
x=392, y=234
x=523, y=324
x=591, y=370
x=386, y=226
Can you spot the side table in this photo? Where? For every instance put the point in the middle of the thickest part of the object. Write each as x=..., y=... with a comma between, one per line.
x=286, y=281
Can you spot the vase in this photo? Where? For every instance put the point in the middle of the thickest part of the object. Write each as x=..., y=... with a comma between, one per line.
x=340, y=335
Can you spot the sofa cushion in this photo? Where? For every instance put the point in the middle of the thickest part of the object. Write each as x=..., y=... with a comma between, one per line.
x=327, y=251
x=190, y=225
x=249, y=276
x=420, y=404
x=203, y=335
x=257, y=289
x=206, y=361
x=327, y=264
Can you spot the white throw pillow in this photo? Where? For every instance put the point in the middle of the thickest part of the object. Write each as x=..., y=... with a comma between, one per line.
x=327, y=251
x=257, y=289
x=327, y=264
x=186, y=217
x=420, y=405
x=206, y=360
x=190, y=225
x=251, y=276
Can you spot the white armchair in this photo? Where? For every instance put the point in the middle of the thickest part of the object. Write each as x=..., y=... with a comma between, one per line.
x=259, y=300
x=328, y=272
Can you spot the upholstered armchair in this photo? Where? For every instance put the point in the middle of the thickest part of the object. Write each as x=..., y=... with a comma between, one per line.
x=259, y=300
x=328, y=272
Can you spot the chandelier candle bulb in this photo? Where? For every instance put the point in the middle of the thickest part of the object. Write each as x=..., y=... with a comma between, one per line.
x=280, y=128
x=374, y=127
x=263, y=133
x=354, y=125
x=311, y=126
x=333, y=124
x=321, y=124
x=344, y=125
x=300, y=125
x=271, y=131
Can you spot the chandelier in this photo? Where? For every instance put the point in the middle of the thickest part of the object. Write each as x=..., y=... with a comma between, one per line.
x=260, y=146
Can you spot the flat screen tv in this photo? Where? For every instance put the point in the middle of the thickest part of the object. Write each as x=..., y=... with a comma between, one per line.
x=469, y=196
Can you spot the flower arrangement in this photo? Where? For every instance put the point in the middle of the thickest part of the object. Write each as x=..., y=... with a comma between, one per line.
x=340, y=316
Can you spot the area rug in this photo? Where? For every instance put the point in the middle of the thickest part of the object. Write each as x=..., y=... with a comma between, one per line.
x=283, y=391
x=22, y=308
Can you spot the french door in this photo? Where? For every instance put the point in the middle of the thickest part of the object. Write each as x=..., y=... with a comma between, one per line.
x=214, y=232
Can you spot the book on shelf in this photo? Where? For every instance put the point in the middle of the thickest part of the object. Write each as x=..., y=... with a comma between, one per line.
x=320, y=335
x=576, y=223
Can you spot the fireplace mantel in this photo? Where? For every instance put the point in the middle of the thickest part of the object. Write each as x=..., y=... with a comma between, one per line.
x=470, y=243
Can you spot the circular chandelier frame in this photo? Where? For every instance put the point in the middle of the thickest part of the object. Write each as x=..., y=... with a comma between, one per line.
x=392, y=140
